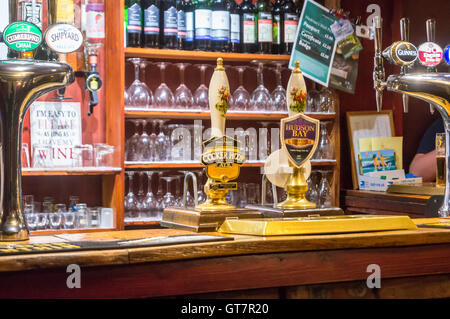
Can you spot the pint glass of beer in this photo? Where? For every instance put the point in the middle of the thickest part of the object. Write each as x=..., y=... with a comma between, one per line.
x=440, y=159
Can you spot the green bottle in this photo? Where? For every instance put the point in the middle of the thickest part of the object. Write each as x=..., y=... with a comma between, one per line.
x=134, y=27
x=277, y=26
x=290, y=24
x=249, y=30
x=202, y=18
x=265, y=25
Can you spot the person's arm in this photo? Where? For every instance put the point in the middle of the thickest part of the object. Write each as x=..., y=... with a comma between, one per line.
x=424, y=165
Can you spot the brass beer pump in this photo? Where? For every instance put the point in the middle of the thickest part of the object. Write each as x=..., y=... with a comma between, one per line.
x=222, y=159
x=290, y=167
x=431, y=87
x=22, y=81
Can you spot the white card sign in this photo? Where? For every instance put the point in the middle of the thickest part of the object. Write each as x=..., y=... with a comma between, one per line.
x=55, y=128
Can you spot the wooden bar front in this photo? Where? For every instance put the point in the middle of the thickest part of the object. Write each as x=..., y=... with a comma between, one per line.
x=330, y=266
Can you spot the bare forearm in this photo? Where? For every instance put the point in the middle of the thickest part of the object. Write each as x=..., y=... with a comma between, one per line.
x=424, y=165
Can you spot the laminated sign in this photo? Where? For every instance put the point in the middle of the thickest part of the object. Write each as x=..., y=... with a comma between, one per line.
x=55, y=128
x=315, y=43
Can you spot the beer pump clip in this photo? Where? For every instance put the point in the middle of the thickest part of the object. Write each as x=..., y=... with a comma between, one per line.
x=430, y=53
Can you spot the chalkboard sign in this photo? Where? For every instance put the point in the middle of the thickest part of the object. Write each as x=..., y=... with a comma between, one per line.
x=315, y=44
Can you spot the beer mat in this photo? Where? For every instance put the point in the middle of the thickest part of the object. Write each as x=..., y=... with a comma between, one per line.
x=7, y=249
x=445, y=225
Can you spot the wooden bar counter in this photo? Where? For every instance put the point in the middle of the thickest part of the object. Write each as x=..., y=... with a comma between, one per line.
x=414, y=264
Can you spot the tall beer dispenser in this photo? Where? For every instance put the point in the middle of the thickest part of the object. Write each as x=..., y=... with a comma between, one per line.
x=22, y=81
x=222, y=159
x=290, y=166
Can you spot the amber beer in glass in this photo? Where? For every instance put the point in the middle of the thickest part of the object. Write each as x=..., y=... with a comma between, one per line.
x=440, y=159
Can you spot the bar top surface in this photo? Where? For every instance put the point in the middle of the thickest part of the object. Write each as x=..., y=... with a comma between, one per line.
x=241, y=245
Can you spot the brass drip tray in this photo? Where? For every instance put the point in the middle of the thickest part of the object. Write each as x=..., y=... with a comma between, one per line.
x=316, y=225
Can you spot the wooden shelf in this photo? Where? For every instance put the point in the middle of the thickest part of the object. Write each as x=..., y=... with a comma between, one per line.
x=70, y=171
x=142, y=223
x=166, y=54
x=134, y=113
x=161, y=165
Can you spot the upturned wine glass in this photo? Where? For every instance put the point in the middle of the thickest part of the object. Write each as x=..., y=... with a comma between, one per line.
x=144, y=146
x=312, y=100
x=149, y=199
x=163, y=143
x=130, y=204
x=241, y=97
x=168, y=199
x=325, y=146
x=264, y=141
x=139, y=93
x=131, y=153
x=313, y=188
x=163, y=95
x=141, y=205
x=278, y=96
x=325, y=192
x=183, y=96
x=260, y=98
x=201, y=99
x=326, y=100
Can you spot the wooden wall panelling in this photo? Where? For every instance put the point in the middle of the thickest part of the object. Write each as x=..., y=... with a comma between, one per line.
x=113, y=186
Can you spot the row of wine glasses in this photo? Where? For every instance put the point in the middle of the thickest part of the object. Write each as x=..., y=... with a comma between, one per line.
x=140, y=95
x=154, y=141
x=148, y=203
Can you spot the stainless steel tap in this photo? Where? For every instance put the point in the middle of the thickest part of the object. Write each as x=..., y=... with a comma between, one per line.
x=21, y=83
x=433, y=88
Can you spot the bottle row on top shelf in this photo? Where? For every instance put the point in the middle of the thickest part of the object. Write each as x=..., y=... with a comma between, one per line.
x=213, y=25
x=139, y=95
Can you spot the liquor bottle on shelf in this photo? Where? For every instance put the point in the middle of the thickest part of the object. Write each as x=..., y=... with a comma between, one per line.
x=265, y=24
x=278, y=25
x=249, y=31
x=202, y=17
x=220, y=25
x=134, y=25
x=290, y=23
x=170, y=24
x=151, y=23
x=189, y=13
x=235, y=26
x=181, y=38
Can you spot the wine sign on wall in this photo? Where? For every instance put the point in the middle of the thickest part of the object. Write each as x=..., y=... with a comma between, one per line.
x=55, y=130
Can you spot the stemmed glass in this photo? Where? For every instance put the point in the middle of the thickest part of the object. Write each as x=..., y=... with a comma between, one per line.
x=131, y=146
x=325, y=146
x=313, y=192
x=138, y=93
x=260, y=98
x=278, y=96
x=168, y=199
x=264, y=141
x=150, y=200
x=326, y=101
x=183, y=96
x=325, y=193
x=130, y=199
x=241, y=97
x=163, y=95
x=162, y=143
x=312, y=100
x=159, y=197
x=200, y=190
x=141, y=205
x=201, y=99
x=144, y=145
